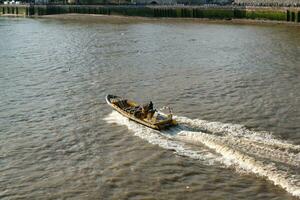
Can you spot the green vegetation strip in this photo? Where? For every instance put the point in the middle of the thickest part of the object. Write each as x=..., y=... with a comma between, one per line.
x=266, y=14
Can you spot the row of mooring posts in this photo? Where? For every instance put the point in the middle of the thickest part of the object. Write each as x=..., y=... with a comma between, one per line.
x=290, y=15
x=293, y=16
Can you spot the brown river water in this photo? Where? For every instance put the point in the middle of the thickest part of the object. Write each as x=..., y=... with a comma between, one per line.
x=234, y=88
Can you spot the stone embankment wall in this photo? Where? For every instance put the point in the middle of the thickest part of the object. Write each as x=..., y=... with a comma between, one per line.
x=281, y=3
x=20, y=10
x=211, y=12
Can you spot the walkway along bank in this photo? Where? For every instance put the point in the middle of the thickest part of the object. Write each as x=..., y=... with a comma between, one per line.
x=291, y=14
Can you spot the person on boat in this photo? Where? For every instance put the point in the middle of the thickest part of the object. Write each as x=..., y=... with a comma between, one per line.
x=144, y=111
x=150, y=106
x=148, y=110
x=147, y=107
x=138, y=111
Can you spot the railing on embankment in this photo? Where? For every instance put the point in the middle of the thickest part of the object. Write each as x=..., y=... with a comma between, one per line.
x=211, y=12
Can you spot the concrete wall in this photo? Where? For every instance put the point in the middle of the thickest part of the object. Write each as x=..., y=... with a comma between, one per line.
x=211, y=12
x=158, y=2
x=186, y=2
x=40, y=1
x=268, y=2
x=151, y=2
x=139, y=2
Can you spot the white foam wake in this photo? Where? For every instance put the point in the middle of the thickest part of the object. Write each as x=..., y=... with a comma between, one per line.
x=233, y=145
x=237, y=130
x=163, y=141
x=241, y=160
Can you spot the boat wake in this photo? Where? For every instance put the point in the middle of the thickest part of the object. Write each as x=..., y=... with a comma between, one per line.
x=230, y=145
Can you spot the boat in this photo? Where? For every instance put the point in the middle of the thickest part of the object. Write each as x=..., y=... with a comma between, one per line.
x=144, y=115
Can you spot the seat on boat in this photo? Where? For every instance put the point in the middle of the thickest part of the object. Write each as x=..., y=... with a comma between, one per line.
x=131, y=109
x=122, y=104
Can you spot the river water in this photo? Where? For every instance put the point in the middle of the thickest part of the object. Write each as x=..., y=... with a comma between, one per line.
x=234, y=88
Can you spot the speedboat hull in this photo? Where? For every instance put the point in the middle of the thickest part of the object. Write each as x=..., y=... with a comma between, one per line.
x=128, y=109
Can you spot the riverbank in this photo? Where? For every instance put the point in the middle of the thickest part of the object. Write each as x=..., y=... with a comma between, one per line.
x=290, y=14
x=117, y=19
